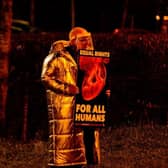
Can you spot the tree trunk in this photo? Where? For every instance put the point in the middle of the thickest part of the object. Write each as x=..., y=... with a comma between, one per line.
x=72, y=13
x=32, y=13
x=25, y=119
x=124, y=15
x=5, y=46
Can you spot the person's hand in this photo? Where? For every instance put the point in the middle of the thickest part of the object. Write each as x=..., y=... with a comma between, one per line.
x=108, y=92
x=72, y=90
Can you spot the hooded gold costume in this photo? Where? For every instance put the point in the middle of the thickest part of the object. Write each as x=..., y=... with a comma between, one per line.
x=66, y=146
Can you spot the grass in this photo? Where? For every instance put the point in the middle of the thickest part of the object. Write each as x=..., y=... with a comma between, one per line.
x=14, y=154
x=121, y=147
x=135, y=147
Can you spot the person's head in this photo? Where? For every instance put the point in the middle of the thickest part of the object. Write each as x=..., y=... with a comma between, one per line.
x=58, y=46
x=80, y=38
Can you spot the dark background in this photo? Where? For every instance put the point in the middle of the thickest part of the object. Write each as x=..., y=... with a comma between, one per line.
x=97, y=16
x=138, y=66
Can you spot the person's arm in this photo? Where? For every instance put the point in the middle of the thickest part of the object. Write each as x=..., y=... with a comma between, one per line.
x=51, y=80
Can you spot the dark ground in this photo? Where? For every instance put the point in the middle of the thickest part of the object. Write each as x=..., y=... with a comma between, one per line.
x=121, y=147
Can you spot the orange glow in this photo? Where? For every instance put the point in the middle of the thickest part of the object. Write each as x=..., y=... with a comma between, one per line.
x=157, y=17
x=165, y=18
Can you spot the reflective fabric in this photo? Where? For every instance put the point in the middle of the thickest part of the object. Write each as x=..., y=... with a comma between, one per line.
x=66, y=146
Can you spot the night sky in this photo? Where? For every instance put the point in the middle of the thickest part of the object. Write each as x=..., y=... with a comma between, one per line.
x=95, y=15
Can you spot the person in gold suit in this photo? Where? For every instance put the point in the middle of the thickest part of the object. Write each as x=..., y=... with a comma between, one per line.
x=66, y=142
